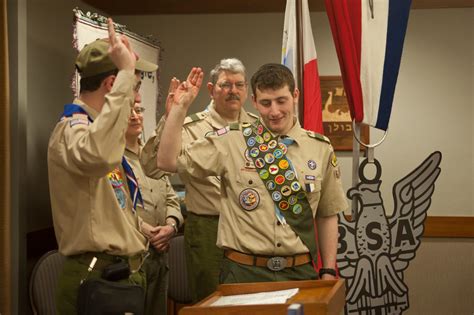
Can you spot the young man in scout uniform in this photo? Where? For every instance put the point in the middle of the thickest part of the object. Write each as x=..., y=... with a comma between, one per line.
x=227, y=87
x=276, y=178
x=160, y=208
x=93, y=196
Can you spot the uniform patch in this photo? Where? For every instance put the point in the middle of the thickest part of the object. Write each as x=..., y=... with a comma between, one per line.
x=245, y=124
x=295, y=186
x=279, y=179
x=292, y=199
x=259, y=129
x=263, y=147
x=79, y=119
x=283, y=205
x=254, y=152
x=310, y=177
x=312, y=164
x=263, y=174
x=249, y=199
x=269, y=158
x=222, y=131
x=267, y=136
x=273, y=169
x=334, y=160
x=276, y=196
x=270, y=185
x=286, y=190
x=283, y=164
x=247, y=132
x=297, y=209
x=278, y=153
x=259, y=139
x=272, y=144
x=290, y=175
x=251, y=142
x=259, y=163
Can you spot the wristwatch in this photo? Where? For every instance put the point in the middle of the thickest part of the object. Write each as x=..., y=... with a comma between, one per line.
x=329, y=271
x=174, y=226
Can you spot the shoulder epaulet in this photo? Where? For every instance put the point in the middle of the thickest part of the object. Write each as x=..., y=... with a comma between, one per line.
x=252, y=115
x=318, y=136
x=195, y=117
x=234, y=126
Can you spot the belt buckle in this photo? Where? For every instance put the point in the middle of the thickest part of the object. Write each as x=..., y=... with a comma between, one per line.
x=276, y=263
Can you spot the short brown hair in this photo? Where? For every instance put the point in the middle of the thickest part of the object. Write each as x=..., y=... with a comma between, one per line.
x=272, y=76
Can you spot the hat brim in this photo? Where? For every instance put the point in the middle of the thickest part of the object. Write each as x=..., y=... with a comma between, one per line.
x=145, y=66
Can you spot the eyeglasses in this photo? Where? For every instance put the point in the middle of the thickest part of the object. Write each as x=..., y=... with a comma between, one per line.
x=138, y=110
x=228, y=85
x=137, y=86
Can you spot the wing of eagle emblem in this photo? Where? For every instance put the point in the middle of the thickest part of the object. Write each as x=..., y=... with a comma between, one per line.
x=374, y=249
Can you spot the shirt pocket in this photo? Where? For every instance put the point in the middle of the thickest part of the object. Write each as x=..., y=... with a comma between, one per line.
x=313, y=192
x=250, y=190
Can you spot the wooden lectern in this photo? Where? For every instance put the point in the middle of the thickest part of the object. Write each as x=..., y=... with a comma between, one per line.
x=319, y=297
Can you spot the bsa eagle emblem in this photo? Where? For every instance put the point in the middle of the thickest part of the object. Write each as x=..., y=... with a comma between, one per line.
x=374, y=249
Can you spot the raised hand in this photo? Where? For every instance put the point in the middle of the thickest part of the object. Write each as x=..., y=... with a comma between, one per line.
x=120, y=50
x=184, y=93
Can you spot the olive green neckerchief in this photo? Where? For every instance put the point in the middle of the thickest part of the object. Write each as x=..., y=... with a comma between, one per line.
x=279, y=178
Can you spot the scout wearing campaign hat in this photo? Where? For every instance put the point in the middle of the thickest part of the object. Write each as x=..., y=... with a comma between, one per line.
x=94, y=59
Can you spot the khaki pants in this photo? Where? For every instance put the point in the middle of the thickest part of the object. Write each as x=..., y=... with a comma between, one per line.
x=75, y=270
x=203, y=257
x=232, y=272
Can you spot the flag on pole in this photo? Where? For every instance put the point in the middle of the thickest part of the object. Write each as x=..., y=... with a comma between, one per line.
x=313, y=117
x=369, y=40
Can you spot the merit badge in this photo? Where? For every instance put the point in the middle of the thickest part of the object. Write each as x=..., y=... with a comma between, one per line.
x=286, y=191
x=279, y=179
x=297, y=209
x=267, y=136
x=263, y=147
x=259, y=163
x=292, y=199
x=249, y=199
x=121, y=198
x=247, y=132
x=270, y=185
x=269, y=158
x=295, y=186
x=264, y=174
x=312, y=164
x=283, y=147
x=260, y=129
x=245, y=124
x=334, y=160
x=301, y=195
x=283, y=205
x=259, y=139
x=276, y=196
x=283, y=164
x=290, y=175
x=272, y=144
x=273, y=169
x=251, y=141
x=278, y=153
x=310, y=177
x=254, y=152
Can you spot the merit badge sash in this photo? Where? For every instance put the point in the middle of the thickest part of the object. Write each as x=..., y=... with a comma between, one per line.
x=114, y=177
x=280, y=179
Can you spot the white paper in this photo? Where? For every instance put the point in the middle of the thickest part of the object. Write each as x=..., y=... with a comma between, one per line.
x=272, y=297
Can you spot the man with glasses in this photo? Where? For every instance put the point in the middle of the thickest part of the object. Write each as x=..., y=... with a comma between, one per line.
x=276, y=178
x=92, y=189
x=227, y=88
x=160, y=208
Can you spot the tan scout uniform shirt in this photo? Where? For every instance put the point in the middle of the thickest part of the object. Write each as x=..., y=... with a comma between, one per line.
x=257, y=231
x=83, y=158
x=159, y=199
x=202, y=193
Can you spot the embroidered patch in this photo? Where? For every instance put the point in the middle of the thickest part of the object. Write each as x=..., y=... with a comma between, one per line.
x=295, y=186
x=259, y=139
x=259, y=163
x=286, y=190
x=312, y=164
x=254, y=152
x=270, y=185
x=334, y=160
x=273, y=169
x=278, y=153
x=310, y=177
x=263, y=147
x=290, y=175
x=297, y=209
x=279, y=179
x=222, y=131
x=264, y=174
x=79, y=120
x=247, y=132
x=283, y=164
x=269, y=158
x=283, y=205
x=249, y=199
x=276, y=196
x=272, y=144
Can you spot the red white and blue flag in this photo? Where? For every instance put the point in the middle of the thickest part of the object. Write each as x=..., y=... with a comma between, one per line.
x=369, y=38
x=313, y=117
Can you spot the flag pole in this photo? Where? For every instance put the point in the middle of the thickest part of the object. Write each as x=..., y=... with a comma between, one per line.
x=300, y=59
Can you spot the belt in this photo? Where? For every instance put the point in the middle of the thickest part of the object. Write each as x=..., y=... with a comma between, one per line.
x=276, y=263
x=104, y=260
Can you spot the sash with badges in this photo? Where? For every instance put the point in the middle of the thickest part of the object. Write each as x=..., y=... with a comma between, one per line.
x=115, y=177
x=280, y=179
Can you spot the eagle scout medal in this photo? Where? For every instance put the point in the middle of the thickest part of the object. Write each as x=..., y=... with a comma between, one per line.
x=249, y=199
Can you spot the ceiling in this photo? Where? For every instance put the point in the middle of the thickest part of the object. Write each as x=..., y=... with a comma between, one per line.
x=152, y=7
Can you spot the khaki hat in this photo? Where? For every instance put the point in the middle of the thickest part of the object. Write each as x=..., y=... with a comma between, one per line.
x=94, y=59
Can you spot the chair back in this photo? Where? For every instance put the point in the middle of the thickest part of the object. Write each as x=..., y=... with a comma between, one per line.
x=43, y=283
x=178, y=288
